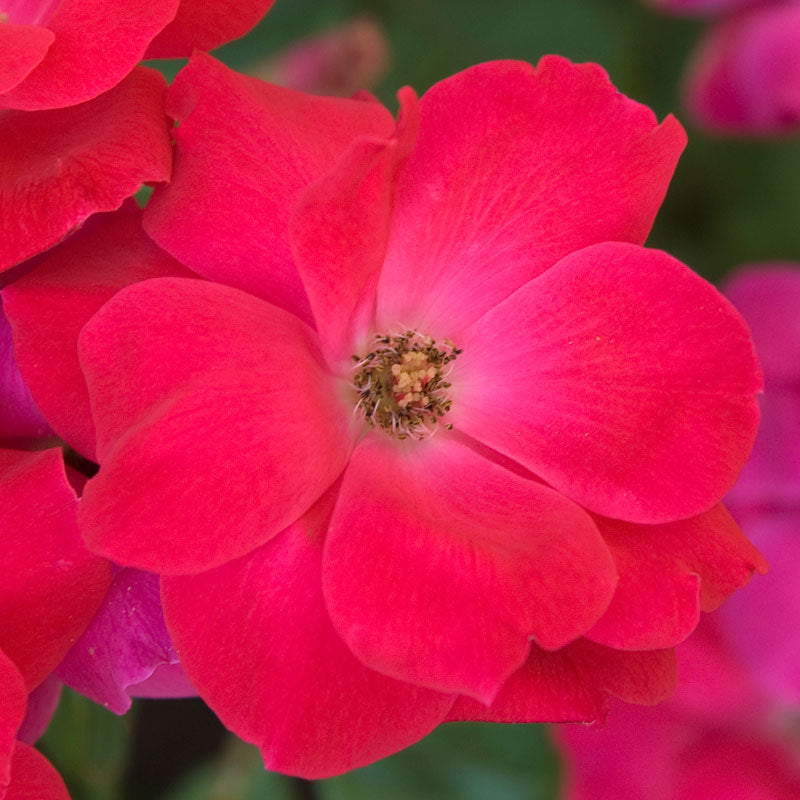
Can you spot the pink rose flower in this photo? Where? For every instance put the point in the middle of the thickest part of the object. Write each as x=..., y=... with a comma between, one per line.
x=340, y=61
x=337, y=579
x=58, y=53
x=766, y=499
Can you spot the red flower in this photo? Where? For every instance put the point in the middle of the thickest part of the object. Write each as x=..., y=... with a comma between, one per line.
x=337, y=579
x=58, y=53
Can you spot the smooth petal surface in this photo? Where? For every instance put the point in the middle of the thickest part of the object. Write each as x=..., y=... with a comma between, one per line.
x=440, y=566
x=59, y=167
x=13, y=697
x=245, y=150
x=227, y=430
x=33, y=777
x=124, y=644
x=668, y=573
x=514, y=169
x=23, y=47
x=95, y=44
x=621, y=378
x=52, y=585
x=206, y=24
x=573, y=685
x=50, y=304
x=256, y=640
x=745, y=76
x=20, y=419
x=339, y=233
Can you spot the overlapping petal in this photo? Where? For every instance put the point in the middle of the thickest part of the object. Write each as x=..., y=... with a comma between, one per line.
x=440, y=566
x=123, y=645
x=621, y=378
x=20, y=419
x=23, y=47
x=514, y=169
x=94, y=45
x=241, y=138
x=33, y=777
x=574, y=684
x=668, y=574
x=52, y=585
x=228, y=430
x=49, y=306
x=13, y=697
x=60, y=166
x=206, y=24
x=255, y=638
x=339, y=232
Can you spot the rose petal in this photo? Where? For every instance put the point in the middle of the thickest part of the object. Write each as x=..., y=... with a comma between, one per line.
x=49, y=306
x=255, y=639
x=106, y=148
x=514, y=169
x=13, y=697
x=668, y=573
x=33, y=777
x=95, y=44
x=42, y=704
x=244, y=152
x=573, y=685
x=440, y=566
x=23, y=47
x=20, y=419
x=339, y=232
x=217, y=426
x=621, y=378
x=206, y=24
x=123, y=645
x=52, y=585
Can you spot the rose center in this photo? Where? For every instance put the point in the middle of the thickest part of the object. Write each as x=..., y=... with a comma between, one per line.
x=402, y=384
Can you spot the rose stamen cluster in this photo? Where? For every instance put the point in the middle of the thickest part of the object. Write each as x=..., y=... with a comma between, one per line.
x=401, y=384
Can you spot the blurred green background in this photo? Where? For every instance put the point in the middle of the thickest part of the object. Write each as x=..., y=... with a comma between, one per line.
x=731, y=202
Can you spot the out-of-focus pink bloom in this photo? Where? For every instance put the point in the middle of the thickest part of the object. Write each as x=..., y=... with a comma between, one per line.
x=718, y=737
x=56, y=53
x=766, y=499
x=745, y=75
x=340, y=61
x=60, y=166
x=701, y=6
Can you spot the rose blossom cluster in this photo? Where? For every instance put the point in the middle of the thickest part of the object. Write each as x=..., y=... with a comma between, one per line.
x=744, y=76
x=731, y=729
x=362, y=424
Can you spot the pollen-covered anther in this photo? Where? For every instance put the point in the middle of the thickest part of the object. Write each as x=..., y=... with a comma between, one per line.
x=402, y=384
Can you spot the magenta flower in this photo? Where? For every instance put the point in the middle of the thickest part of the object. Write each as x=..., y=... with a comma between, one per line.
x=57, y=53
x=744, y=77
x=375, y=452
x=766, y=499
